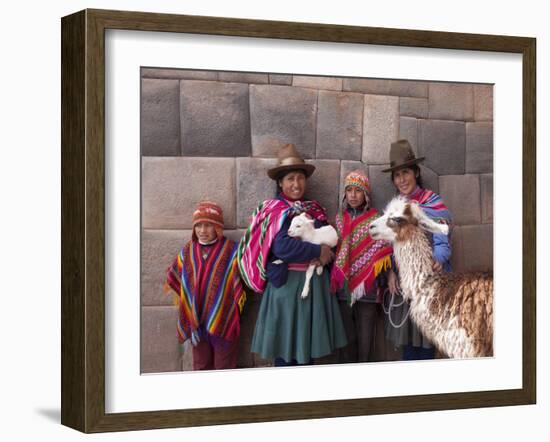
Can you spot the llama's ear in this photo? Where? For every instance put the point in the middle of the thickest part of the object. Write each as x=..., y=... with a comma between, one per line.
x=426, y=223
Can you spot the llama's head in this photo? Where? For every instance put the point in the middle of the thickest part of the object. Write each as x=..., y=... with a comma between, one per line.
x=401, y=219
x=300, y=224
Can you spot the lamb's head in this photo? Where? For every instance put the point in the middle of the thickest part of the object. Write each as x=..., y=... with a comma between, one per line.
x=299, y=225
x=401, y=220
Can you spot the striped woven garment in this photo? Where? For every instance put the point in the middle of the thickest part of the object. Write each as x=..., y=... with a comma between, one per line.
x=359, y=258
x=255, y=245
x=432, y=204
x=209, y=291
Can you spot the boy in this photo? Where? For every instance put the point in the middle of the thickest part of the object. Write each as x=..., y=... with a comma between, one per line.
x=205, y=279
x=359, y=261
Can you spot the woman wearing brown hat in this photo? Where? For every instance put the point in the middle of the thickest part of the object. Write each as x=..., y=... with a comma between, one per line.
x=289, y=329
x=405, y=176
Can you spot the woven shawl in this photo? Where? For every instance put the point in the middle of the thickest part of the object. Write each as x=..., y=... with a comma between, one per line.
x=209, y=291
x=432, y=204
x=359, y=258
x=255, y=245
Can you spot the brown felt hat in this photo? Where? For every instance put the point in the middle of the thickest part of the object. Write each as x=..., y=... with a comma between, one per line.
x=401, y=156
x=289, y=159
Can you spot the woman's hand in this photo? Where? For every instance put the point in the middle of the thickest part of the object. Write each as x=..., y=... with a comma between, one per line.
x=326, y=255
x=437, y=267
x=393, y=283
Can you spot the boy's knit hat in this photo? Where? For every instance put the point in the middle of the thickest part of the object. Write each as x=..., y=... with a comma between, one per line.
x=358, y=179
x=208, y=212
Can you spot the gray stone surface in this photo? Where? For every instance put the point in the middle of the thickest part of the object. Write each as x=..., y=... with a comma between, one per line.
x=323, y=185
x=159, y=341
x=281, y=79
x=171, y=188
x=215, y=119
x=483, y=102
x=158, y=250
x=186, y=356
x=413, y=107
x=380, y=128
x=401, y=88
x=430, y=179
x=253, y=186
x=451, y=101
x=345, y=168
x=382, y=188
x=477, y=243
x=179, y=74
x=408, y=130
x=443, y=143
x=329, y=83
x=160, y=113
x=486, y=183
x=280, y=115
x=244, y=77
x=339, y=125
x=461, y=194
x=479, y=147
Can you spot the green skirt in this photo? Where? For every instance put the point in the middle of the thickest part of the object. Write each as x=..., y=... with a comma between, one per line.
x=290, y=327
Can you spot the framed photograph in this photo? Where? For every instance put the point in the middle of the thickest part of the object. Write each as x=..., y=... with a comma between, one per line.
x=162, y=112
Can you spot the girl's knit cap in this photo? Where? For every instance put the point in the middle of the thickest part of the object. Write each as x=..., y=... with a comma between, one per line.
x=208, y=212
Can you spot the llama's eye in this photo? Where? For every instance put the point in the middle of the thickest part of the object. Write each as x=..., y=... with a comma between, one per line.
x=397, y=220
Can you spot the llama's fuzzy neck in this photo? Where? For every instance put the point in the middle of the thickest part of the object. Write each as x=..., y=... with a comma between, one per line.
x=415, y=263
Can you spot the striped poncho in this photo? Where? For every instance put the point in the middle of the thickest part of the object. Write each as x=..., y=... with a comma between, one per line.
x=209, y=291
x=432, y=204
x=359, y=258
x=267, y=220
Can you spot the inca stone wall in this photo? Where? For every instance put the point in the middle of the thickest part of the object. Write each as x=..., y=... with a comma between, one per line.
x=213, y=135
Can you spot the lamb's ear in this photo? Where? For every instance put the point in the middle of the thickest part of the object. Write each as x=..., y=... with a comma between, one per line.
x=426, y=223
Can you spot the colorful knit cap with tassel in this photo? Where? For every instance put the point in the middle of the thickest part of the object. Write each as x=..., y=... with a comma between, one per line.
x=208, y=212
x=359, y=180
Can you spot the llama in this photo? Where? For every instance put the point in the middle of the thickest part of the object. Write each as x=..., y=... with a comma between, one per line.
x=455, y=311
x=303, y=227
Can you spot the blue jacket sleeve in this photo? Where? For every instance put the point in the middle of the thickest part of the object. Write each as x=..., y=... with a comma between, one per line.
x=290, y=249
x=442, y=248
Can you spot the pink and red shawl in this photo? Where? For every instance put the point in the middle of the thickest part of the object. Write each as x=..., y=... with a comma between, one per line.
x=359, y=258
x=267, y=220
x=209, y=291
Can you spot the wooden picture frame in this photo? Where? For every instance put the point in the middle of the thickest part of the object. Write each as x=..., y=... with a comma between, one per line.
x=83, y=220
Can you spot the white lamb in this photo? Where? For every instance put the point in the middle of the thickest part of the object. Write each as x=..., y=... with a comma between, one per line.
x=304, y=228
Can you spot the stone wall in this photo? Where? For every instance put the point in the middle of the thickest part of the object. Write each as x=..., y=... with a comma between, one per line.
x=213, y=135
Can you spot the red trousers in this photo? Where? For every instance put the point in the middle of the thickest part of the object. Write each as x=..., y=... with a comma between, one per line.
x=209, y=357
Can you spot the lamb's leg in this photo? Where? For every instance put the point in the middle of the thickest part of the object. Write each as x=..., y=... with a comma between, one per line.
x=319, y=270
x=309, y=274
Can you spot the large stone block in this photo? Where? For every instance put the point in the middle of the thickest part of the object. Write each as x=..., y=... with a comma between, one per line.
x=461, y=194
x=451, y=101
x=483, y=102
x=160, y=126
x=158, y=250
x=486, y=182
x=413, y=107
x=477, y=247
x=408, y=130
x=280, y=115
x=339, y=125
x=159, y=340
x=380, y=128
x=402, y=88
x=281, y=79
x=430, y=179
x=179, y=74
x=215, y=119
x=329, y=83
x=244, y=77
x=479, y=147
x=382, y=188
x=171, y=188
x=323, y=185
x=253, y=186
x=443, y=143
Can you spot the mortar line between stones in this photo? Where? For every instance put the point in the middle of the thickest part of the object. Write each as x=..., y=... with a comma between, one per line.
x=316, y=123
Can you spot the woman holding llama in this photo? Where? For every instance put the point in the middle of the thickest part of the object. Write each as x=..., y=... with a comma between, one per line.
x=359, y=269
x=405, y=176
x=289, y=329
